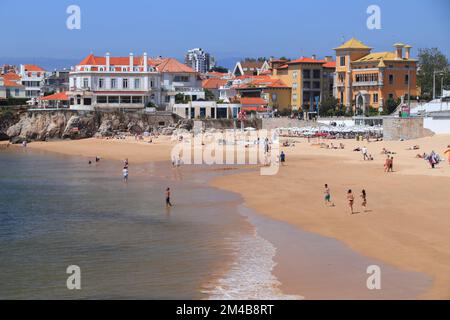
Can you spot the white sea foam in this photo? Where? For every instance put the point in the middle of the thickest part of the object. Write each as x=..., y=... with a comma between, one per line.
x=250, y=276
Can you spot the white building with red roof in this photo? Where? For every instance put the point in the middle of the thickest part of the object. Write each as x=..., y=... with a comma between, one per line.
x=11, y=86
x=32, y=76
x=130, y=82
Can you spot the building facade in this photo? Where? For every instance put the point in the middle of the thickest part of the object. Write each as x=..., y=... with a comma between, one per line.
x=130, y=82
x=250, y=68
x=364, y=79
x=55, y=82
x=309, y=79
x=32, y=77
x=199, y=60
x=11, y=86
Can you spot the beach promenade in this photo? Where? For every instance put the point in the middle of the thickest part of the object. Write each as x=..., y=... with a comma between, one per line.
x=407, y=223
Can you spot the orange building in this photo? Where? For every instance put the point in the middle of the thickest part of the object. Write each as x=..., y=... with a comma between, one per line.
x=364, y=79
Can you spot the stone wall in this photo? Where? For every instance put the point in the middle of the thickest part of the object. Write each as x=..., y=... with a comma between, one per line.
x=395, y=128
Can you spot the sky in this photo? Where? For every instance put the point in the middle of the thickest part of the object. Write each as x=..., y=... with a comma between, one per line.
x=226, y=29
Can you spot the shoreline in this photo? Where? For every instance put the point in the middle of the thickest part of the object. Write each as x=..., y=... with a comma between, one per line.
x=426, y=245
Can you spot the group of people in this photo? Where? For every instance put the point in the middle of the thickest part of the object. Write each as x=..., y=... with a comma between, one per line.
x=350, y=199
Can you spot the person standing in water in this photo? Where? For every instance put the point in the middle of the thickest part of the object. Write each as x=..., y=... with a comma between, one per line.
x=350, y=199
x=168, y=203
x=364, y=199
x=125, y=174
x=328, y=196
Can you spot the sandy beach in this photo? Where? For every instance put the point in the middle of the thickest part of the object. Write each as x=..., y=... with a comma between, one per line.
x=407, y=224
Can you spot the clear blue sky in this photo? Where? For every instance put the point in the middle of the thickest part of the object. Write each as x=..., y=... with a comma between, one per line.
x=227, y=28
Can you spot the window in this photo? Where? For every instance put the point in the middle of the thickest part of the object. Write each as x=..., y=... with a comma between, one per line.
x=137, y=83
x=151, y=83
x=101, y=83
x=294, y=97
x=391, y=79
x=316, y=74
x=87, y=101
x=295, y=85
x=391, y=96
x=307, y=74
x=136, y=99
x=406, y=79
x=125, y=99
x=295, y=74
x=316, y=85
x=113, y=83
x=125, y=83
x=306, y=85
x=113, y=99
x=342, y=61
x=85, y=83
x=375, y=98
x=16, y=92
x=181, y=79
x=102, y=99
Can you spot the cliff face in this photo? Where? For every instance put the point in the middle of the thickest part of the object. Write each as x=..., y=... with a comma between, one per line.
x=7, y=119
x=40, y=126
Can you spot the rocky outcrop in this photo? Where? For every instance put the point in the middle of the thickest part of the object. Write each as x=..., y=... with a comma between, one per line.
x=7, y=119
x=45, y=125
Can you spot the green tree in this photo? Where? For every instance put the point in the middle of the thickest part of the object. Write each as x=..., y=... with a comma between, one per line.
x=209, y=95
x=390, y=106
x=328, y=106
x=431, y=60
x=219, y=69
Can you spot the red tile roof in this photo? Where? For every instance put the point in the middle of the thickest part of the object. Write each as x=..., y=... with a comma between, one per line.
x=32, y=67
x=9, y=83
x=171, y=65
x=213, y=83
x=330, y=64
x=306, y=60
x=61, y=96
x=11, y=76
x=253, y=101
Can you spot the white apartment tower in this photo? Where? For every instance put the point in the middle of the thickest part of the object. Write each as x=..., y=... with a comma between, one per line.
x=199, y=60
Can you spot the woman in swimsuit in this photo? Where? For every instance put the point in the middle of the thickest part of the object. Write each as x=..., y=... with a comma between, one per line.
x=350, y=199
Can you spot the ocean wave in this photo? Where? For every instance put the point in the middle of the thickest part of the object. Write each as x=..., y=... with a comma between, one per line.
x=250, y=276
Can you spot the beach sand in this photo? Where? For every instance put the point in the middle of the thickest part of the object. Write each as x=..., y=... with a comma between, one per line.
x=408, y=223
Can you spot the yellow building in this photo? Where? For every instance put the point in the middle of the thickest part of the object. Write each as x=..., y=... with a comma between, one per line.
x=364, y=79
x=309, y=78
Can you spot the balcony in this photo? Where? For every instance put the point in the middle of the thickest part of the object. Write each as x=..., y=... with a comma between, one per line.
x=365, y=84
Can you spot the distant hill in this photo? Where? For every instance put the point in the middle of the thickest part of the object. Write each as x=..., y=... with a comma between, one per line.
x=47, y=63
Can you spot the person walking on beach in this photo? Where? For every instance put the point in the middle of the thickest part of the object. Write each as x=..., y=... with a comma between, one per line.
x=364, y=199
x=168, y=203
x=125, y=174
x=328, y=196
x=365, y=153
x=391, y=165
x=350, y=199
x=125, y=163
x=282, y=158
x=386, y=164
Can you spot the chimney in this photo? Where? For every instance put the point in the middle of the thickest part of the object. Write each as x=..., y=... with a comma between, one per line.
x=131, y=61
x=145, y=62
x=408, y=52
x=398, y=50
x=328, y=58
x=313, y=57
x=107, y=61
